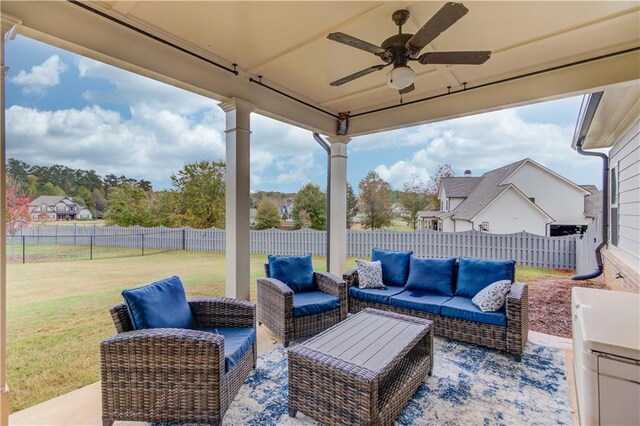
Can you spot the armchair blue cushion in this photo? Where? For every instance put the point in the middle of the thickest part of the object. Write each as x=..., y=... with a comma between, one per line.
x=417, y=301
x=377, y=295
x=463, y=308
x=237, y=341
x=295, y=271
x=162, y=304
x=433, y=276
x=476, y=274
x=395, y=266
x=313, y=302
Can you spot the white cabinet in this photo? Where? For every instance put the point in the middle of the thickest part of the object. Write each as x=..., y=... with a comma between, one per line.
x=606, y=353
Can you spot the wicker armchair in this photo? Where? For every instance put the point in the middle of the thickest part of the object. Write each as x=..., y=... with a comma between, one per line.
x=275, y=307
x=174, y=376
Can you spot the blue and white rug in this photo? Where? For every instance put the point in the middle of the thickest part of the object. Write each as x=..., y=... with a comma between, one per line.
x=470, y=385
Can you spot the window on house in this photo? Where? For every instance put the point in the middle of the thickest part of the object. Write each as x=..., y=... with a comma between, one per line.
x=613, y=221
x=447, y=205
x=532, y=199
x=614, y=186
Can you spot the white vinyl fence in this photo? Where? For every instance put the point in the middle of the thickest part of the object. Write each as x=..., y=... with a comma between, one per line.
x=526, y=249
x=586, y=245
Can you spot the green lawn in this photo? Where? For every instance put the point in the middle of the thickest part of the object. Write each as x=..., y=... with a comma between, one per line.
x=58, y=312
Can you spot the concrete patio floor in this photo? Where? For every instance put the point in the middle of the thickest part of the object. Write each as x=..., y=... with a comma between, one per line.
x=82, y=406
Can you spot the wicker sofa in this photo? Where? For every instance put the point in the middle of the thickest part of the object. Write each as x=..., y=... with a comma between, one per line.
x=510, y=337
x=171, y=375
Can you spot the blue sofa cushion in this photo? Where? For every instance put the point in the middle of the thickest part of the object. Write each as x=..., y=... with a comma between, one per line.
x=313, y=302
x=295, y=271
x=463, y=308
x=434, y=276
x=162, y=304
x=395, y=266
x=476, y=274
x=378, y=295
x=237, y=341
x=419, y=301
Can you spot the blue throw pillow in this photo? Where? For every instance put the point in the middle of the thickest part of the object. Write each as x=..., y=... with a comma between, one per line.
x=395, y=265
x=295, y=271
x=476, y=274
x=431, y=275
x=162, y=304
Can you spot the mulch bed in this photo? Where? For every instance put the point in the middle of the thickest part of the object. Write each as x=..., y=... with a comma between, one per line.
x=550, y=304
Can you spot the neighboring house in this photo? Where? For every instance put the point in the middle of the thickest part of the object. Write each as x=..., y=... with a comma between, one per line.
x=56, y=207
x=398, y=210
x=523, y=196
x=611, y=120
x=84, y=213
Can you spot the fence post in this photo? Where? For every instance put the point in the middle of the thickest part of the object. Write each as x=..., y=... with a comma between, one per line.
x=142, y=243
x=23, y=249
x=91, y=247
x=184, y=239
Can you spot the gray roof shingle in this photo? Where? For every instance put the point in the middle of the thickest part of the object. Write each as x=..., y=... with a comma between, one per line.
x=592, y=202
x=484, y=192
x=459, y=186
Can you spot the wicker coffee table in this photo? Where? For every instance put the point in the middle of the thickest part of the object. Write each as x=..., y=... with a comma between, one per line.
x=362, y=371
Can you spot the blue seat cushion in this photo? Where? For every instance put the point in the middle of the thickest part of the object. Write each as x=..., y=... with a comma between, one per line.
x=476, y=274
x=377, y=295
x=395, y=266
x=313, y=302
x=433, y=276
x=419, y=301
x=295, y=271
x=237, y=341
x=463, y=308
x=162, y=304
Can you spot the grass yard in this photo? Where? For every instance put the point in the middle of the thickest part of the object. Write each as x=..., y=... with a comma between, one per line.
x=58, y=312
x=58, y=253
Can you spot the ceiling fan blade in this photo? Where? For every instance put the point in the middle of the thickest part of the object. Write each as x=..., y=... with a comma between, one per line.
x=469, y=58
x=443, y=19
x=355, y=42
x=409, y=88
x=358, y=74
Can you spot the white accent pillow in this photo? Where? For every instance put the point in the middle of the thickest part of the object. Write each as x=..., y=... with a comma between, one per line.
x=369, y=274
x=492, y=297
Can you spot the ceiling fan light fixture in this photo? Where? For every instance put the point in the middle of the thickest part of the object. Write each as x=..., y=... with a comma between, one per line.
x=400, y=77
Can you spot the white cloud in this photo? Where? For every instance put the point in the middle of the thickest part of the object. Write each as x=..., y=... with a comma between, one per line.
x=150, y=145
x=487, y=141
x=41, y=77
x=134, y=89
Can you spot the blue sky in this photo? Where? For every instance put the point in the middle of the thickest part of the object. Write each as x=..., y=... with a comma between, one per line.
x=66, y=109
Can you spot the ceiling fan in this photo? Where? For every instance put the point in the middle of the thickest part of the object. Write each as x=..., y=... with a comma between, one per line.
x=401, y=48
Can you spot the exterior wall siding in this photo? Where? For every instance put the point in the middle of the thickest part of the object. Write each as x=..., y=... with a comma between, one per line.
x=562, y=201
x=625, y=158
x=510, y=213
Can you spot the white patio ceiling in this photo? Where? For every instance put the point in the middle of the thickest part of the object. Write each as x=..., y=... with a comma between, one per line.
x=286, y=43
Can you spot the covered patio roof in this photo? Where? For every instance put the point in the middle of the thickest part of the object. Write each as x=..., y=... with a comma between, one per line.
x=273, y=58
x=540, y=51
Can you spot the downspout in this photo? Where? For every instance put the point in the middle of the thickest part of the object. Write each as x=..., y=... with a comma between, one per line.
x=591, y=104
x=327, y=147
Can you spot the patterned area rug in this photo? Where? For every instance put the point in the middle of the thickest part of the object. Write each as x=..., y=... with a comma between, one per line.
x=470, y=385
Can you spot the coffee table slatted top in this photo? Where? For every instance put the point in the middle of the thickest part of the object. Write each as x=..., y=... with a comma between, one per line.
x=367, y=339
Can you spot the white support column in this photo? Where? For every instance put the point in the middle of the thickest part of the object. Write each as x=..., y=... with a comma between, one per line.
x=338, y=213
x=8, y=27
x=238, y=249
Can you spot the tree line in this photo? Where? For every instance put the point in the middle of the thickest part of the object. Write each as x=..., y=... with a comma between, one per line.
x=197, y=197
x=372, y=208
